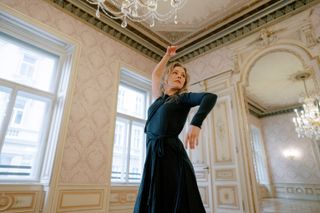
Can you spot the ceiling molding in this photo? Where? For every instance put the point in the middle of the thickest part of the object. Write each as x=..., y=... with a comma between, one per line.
x=243, y=26
x=261, y=112
x=152, y=48
x=86, y=14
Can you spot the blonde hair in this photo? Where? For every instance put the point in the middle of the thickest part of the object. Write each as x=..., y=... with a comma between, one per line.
x=166, y=75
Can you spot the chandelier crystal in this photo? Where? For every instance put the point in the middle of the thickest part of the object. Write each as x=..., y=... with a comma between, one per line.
x=307, y=120
x=138, y=10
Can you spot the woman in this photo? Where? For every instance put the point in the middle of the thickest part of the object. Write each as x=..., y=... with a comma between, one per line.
x=168, y=183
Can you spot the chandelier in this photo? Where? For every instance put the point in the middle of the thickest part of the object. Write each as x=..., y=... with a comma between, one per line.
x=307, y=120
x=138, y=10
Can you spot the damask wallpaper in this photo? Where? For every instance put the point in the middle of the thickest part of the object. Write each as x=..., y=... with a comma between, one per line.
x=279, y=136
x=211, y=64
x=87, y=151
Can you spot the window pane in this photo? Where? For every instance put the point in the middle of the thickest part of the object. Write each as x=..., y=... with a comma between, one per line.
x=132, y=102
x=136, y=152
x=259, y=162
x=119, y=161
x=4, y=100
x=29, y=66
x=20, y=154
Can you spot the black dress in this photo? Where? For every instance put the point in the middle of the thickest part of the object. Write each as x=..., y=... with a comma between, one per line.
x=168, y=183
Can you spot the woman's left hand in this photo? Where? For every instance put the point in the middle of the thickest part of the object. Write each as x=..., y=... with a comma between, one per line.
x=191, y=139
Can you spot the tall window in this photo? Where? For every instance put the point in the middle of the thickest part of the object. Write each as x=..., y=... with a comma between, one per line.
x=259, y=158
x=31, y=100
x=129, y=139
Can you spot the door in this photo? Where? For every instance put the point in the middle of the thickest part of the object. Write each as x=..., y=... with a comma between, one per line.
x=201, y=162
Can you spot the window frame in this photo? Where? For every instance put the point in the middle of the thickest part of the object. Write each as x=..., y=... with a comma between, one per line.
x=261, y=171
x=41, y=41
x=139, y=83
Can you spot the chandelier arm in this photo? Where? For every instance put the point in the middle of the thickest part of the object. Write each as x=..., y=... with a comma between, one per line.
x=105, y=8
x=139, y=2
x=115, y=3
x=137, y=10
x=143, y=4
x=150, y=14
x=95, y=2
x=145, y=18
x=115, y=14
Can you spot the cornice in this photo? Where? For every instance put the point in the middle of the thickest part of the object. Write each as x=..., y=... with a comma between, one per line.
x=230, y=32
x=243, y=26
x=110, y=27
x=262, y=114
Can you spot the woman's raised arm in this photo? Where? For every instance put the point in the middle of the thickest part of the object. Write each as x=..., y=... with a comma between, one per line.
x=159, y=69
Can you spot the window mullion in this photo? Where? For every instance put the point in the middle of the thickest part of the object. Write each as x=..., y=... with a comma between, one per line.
x=45, y=135
x=26, y=89
x=132, y=118
x=128, y=151
x=6, y=120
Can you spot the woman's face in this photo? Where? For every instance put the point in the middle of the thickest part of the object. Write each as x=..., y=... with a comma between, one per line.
x=176, y=79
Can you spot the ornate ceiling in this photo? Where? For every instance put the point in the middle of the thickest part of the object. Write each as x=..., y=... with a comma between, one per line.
x=203, y=25
x=273, y=86
x=210, y=24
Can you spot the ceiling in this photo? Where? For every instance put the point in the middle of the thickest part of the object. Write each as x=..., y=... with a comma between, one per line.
x=273, y=87
x=198, y=19
x=206, y=25
x=202, y=25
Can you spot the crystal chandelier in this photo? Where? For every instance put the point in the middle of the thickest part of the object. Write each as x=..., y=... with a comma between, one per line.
x=307, y=120
x=138, y=10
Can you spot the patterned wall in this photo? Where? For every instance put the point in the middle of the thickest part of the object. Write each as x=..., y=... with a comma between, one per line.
x=87, y=151
x=211, y=64
x=279, y=135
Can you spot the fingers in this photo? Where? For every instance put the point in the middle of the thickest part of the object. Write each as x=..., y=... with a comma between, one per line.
x=191, y=141
x=171, y=50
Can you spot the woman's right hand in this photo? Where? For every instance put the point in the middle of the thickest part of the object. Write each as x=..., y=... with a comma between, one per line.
x=171, y=50
x=159, y=70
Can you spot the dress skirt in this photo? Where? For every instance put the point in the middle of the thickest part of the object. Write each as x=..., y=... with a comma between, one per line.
x=168, y=184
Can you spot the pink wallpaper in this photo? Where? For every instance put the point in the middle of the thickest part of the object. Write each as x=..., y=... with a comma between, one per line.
x=87, y=152
x=210, y=64
x=279, y=135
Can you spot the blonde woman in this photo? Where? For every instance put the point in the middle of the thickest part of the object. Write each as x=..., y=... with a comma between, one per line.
x=168, y=183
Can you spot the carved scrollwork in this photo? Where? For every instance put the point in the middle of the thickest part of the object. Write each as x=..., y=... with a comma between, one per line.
x=6, y=201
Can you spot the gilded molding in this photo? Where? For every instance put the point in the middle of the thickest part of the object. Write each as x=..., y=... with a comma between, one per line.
x=6, y=201
x=18, y=201
x=75, y=199
x=241, y=27
x=225, y=174
x=228, y=197
x=260, y=114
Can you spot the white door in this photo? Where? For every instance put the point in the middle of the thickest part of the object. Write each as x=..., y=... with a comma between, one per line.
x=201, y=163
x=215, y=160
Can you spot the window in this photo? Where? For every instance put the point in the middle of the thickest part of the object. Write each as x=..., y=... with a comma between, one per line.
x=27, y=67
x=259, y=158
x=18, y=111
x=129, y=138
x=31, y=99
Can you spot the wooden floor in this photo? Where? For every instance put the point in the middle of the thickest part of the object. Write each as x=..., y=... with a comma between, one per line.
x=289, y=206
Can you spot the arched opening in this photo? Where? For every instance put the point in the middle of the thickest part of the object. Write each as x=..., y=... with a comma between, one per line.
x=283, y=166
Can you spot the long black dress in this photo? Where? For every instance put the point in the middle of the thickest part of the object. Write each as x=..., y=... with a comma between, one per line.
x=168, y=183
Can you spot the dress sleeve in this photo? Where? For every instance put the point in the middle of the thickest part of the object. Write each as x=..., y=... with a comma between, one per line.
x=205, y=101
